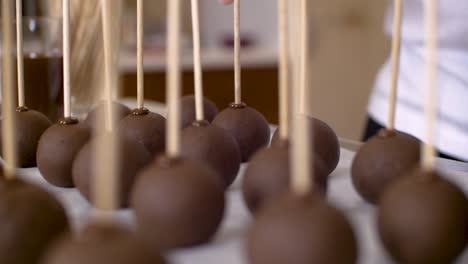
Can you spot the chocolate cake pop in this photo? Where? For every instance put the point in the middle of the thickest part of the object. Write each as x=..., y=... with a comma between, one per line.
x=191, y=217
x=132, y=157
x=187, y=105
x=268, y=176
x=212, y=145
x=383, y=159
x=301, y=230
x=101, y=243
x=248, y=127
x=326, y=143
x=29, y=126
x=202, y=141
x=145, y=127
x=423, y=218
x=57, y=150
x=31, y=220
x=120, y=110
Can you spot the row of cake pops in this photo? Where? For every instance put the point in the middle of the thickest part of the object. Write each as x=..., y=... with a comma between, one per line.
x=422, y=217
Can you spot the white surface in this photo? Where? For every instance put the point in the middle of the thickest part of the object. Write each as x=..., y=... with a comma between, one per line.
x=228, y=245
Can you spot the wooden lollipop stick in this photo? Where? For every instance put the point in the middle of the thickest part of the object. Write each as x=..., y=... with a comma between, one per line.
x=284, y=69
x=19, y=52
x=237, y=63
x=140, y=73
x=8, y=123
x=429, y=153
x=66, y=59
x=173, y=79
x=199, y=111
x=106, y=183
x=396, y=45
x=301, y=168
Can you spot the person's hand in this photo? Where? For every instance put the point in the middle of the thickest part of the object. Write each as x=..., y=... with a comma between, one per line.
x=226, y=2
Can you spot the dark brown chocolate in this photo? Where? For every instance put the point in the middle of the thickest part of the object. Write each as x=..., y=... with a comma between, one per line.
x=187, y=105
x=29, y=126
x=31, y=219
x=178, y=203
x=132, y=157
x=120, y=112
x=325, y=143
x=381, y=160
x=423, y=218
x=268, y=176
x=57, y=150
x=301, y=230
x=146, y=127
x=101, y=243
x=214, y=146
x=247, y=126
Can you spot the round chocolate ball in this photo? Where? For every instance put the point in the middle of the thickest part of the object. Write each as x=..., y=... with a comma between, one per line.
x=132, y=157
x=29, y=126
x=247, y=126
x=146, y=127
x=99, y=244
x=57, y=150
x=324, y=141
x=32, y=220
x=214, y=146
x=423, y=218
x=187, y=105
x=301, y=230
x=178, y=203
x=268, y=176
x=384, y=158
x=120, y=111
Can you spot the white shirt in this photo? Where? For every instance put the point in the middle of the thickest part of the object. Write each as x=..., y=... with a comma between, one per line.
x=452, y=125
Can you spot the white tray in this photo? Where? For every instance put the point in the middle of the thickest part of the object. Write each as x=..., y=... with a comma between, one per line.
x=228, y=245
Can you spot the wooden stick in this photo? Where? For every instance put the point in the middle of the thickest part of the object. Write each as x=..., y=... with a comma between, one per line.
x=173, y=79
x=199, y=111
x=302, y=173
x=8, y=123
x=428, y=149
x=106, y=183
x=284, y=69
x=140, y=72
x=396, y=47
x=19, y=52
x=237, y=63
x=66, y=58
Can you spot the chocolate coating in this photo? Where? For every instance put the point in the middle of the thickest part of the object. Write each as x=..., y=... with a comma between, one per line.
x=325, y=143
x=214, y=146
x=120, y=111
x=423, y=218
x=146, y=127
x=31, y=219
x=247, y=126
x=187, y=107
x=301, y=230
x=268, y=176
x=178, y=203
x=384, y=158
x=29, y=126
x=132, y=157
x=99, y=244
x=57, y=150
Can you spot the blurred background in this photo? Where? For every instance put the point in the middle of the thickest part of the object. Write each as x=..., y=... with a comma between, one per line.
x=349, y=46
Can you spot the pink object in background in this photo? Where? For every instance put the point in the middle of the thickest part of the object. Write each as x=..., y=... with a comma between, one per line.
x=226, y=2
